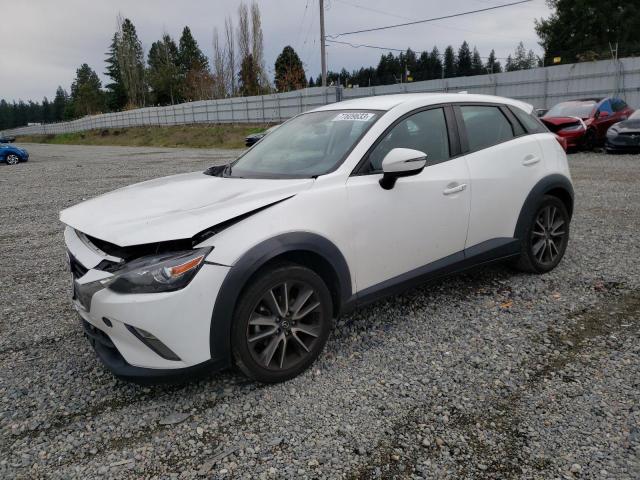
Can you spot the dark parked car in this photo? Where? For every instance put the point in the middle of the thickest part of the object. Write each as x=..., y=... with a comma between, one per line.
x=624, y=136
x=584, y=123
x=7, y=139
x=12, y=155
x=254, y=137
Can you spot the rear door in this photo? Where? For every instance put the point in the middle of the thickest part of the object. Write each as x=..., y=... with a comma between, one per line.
x=504, y=164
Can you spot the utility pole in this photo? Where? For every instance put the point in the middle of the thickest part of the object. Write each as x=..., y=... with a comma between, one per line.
x=322, y=46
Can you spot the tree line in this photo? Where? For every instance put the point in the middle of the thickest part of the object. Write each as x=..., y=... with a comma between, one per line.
x=410, y=67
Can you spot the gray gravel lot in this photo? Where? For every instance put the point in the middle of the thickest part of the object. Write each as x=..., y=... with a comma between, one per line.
x=490, y=374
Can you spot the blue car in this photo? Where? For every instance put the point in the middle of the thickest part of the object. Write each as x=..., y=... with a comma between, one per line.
x=12, y=155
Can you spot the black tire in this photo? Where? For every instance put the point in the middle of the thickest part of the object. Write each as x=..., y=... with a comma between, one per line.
x=542, y=258
x=259, y=323
x=12, y=159
x=589, y=140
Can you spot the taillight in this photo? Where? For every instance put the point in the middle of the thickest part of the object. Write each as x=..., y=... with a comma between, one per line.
x=562, y=141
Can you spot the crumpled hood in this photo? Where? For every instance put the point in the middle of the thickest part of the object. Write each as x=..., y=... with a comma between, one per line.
x=176, y=207
x=557, y=121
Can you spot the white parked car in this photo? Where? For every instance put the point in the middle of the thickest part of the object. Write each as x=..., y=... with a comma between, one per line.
x=250, y=263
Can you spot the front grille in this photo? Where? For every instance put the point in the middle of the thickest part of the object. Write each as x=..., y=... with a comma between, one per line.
x=77, y=269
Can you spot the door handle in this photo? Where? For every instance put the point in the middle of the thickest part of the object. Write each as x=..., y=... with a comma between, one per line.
x=454, y=188
x=530, y=160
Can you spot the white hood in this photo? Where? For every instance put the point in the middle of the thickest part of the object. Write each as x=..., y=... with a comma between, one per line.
x=175, y=207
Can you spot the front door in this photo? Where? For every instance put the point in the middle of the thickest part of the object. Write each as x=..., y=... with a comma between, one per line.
x=423, y=218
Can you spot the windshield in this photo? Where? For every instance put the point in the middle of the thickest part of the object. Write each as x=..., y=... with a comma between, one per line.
x=635, y=115
x=308, y=145
x=572, y=109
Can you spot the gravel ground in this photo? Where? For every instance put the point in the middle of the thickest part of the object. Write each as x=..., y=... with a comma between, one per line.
x=491, y=374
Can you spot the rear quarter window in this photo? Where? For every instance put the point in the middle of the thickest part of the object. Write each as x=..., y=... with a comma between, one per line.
x=529, y=122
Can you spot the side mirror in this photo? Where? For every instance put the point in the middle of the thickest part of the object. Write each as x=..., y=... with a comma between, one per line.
x=401, y=162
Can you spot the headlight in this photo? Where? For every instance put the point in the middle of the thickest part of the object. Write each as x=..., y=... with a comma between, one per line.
x=572, y=128
x=612, y=132
x=158, y=273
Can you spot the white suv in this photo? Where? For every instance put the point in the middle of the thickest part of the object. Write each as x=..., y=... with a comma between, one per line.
x=249, y=263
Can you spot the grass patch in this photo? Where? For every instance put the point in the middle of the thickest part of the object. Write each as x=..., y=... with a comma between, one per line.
x=196, y=136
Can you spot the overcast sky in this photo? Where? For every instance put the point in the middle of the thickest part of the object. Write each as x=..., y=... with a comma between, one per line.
x=44, y=41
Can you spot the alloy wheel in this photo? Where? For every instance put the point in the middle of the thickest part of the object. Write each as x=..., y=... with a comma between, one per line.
x=284, y=325
x=548, y=235
x=12, y=159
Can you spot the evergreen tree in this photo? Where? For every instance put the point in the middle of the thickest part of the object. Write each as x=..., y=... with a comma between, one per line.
x=59, y=105
x=449, y=62
x=131, y=62
x=46, y=110
x=116, y=95
x=86, y=94
x=435, y=64
x=477, y=68
x=520, y=58
x=510, y=65
x=289, y=72
x=163, y=72
x=311, y=83
x=583, y=29
x=194, y=67
x=493, y=66
x=463, y=63
x=190, y=57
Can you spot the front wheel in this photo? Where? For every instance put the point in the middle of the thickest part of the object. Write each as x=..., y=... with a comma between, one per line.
x=590, y=140
x=281, y=323
x=12, y=159
x=546, y=238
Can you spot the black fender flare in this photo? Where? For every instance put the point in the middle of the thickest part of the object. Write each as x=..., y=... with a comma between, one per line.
x=547, y=184
x=242, y=271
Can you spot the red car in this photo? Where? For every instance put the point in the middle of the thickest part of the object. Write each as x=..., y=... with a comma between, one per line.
x=584, y=123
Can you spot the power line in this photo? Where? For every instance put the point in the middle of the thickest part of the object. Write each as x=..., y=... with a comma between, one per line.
x=377, y=47
x=351, y=4
x=428, y=19
x=444, y=27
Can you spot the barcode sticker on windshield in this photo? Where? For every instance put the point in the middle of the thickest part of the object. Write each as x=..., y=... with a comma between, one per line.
x=354, y=116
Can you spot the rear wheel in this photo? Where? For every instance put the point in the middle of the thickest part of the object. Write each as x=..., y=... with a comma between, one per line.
x=546, y=238
x=281, y=323
x=12, y=159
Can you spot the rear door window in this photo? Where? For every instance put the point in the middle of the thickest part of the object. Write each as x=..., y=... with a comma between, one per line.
x=485, y=125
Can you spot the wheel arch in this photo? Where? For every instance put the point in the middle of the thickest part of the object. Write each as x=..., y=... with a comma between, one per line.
x=308, y=249
x=556, y=185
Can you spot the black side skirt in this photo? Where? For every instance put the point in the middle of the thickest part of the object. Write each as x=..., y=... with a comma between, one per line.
x=489, y=251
